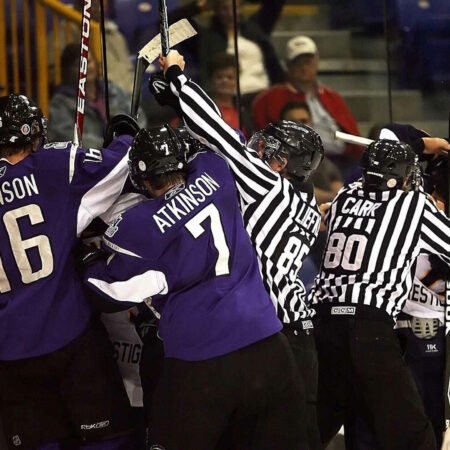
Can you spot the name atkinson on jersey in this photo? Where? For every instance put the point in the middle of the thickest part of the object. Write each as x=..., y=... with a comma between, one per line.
x=185, y=201
x=18, y=188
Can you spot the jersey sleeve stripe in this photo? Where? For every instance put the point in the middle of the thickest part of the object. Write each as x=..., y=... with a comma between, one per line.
x=136, y=289
x=101, y=196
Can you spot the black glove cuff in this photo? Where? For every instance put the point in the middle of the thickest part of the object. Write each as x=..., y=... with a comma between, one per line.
x=172, y=73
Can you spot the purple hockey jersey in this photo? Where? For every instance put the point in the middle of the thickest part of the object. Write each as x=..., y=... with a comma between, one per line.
x=189, y=253
x=46, y=201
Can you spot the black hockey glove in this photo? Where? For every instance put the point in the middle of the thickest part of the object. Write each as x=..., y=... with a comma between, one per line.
x=146, y=323
x=86, y=255
x=160, y=89
x=118, y=126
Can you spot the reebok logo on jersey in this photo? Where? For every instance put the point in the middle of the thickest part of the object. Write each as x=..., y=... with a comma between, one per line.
x=95, y=426
x=174, y=191
x=2, y=171
x=343, y=311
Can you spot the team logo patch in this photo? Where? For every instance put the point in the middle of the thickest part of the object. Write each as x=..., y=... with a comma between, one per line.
x=114, y=227
x=343, y=311
x=142, y=166
x=16, y=441
x=2, y=171
x=25, y=129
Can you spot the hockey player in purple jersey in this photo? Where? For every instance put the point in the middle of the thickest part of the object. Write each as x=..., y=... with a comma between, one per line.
x=58, y=382
x=186, y=253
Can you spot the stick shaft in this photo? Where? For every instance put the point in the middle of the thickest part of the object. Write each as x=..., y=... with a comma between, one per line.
x=141, y=66
x=164, y=27
x=388, y=58
x=104, y=59
x=82, y=74
x=236, y=56
x=352, y=139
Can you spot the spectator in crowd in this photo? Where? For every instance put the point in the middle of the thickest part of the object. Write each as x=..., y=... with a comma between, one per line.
x=120, y=68
x=259, y=65
x=63, y=101
x=328, y=110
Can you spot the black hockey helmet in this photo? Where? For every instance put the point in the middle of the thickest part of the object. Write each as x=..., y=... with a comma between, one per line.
x=191, y=145
x=155, y=151
x=298, y=143
x=390, y=164
x=21, y=121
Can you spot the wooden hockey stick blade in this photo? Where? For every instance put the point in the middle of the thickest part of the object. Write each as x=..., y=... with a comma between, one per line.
x=352, y=139
x=178, y=32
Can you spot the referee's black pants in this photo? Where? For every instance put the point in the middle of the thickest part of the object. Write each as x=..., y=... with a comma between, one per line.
x=360, y=359
x=303, y=347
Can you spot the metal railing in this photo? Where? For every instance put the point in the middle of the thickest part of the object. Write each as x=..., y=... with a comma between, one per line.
x=24, y=61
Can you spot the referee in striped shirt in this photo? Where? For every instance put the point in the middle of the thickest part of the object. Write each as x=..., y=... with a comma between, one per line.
x=282, y=222
x=376, y=229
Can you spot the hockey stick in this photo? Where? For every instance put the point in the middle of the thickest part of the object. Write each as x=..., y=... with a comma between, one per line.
x=104, y=59
x=164, y=27
x=352, y=139
x=84, y=52
x=178, y=32
x=236, y=58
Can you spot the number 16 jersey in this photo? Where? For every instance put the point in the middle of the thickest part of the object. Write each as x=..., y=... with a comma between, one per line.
x=46, y=201
x=373, y=241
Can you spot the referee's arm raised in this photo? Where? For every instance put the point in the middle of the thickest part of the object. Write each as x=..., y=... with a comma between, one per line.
x=204, y=122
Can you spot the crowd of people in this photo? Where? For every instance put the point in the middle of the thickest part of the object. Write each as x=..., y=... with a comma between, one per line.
x=228, y=280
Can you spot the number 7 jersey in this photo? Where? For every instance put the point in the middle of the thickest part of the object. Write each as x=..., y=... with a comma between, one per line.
x=373, y=241
x=46, y=201
x=188, y=253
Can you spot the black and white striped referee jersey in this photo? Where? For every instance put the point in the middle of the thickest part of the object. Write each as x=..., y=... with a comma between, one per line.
x=373, y=241
x=281, y=223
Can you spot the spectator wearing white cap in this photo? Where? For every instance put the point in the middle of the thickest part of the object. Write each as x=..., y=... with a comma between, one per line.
x=328, y=110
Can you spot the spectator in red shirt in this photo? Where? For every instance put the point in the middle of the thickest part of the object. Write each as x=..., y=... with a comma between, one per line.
x=328, y=110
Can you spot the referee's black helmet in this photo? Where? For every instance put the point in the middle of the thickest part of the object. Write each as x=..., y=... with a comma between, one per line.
x=298, y=143
x=154, y=152
x=388, y=164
